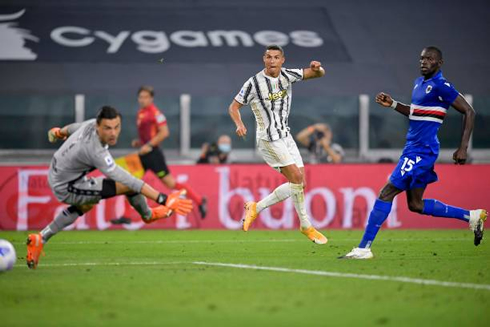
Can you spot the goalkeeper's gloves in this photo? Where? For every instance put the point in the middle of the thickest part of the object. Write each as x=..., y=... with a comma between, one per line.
x=54, y=134
x=175, y=203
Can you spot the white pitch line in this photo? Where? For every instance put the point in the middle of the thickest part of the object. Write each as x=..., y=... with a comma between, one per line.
x=394, y=240
x=350, y=275
x=92, y=264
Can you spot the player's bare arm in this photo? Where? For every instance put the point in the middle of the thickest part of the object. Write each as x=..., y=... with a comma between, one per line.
x=386, y=100
x=314, y=71
x=461, y=105
x=234, y=111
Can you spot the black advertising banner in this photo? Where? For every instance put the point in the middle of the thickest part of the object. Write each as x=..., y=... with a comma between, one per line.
x=139, y=35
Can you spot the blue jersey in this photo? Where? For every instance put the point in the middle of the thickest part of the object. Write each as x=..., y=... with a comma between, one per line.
x=430, y=101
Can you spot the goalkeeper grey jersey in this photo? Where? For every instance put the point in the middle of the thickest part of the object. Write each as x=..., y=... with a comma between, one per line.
x=82, y=153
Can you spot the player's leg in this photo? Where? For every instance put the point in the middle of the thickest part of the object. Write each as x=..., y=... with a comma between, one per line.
x=377, y=216
x=80, y=196
x=435, y=208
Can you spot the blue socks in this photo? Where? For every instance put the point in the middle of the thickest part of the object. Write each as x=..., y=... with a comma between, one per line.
x=439, y=209
x=378, y=215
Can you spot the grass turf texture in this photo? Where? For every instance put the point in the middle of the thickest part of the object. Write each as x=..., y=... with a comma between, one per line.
x=148, y=278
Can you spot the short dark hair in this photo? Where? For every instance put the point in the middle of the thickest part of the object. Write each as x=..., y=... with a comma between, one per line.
x=274, y=47
x=107, y=112
x=147, y=88
x=434, y=49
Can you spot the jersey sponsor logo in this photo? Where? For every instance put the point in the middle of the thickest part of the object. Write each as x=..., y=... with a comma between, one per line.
x=278, y=95
x=428, y=89
x=13, y=39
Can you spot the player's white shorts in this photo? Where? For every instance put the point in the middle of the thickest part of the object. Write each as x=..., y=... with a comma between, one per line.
x=280, y=153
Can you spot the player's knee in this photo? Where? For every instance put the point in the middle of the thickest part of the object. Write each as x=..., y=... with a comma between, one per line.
x=297, y=178
x=416, y=206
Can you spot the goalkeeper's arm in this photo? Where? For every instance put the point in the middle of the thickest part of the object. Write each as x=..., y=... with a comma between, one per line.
x=56, y=133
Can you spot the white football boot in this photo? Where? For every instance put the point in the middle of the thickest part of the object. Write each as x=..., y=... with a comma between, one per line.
x=477, y=220
x=359, y=253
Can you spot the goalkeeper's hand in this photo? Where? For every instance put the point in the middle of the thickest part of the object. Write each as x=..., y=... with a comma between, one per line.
x=175, y=203
x=54, y=134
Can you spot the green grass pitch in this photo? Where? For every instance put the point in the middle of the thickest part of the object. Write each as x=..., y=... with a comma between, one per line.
x=150, y=278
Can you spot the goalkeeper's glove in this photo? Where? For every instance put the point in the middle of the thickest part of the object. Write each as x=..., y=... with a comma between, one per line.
x=54, y=134
x=174, y=202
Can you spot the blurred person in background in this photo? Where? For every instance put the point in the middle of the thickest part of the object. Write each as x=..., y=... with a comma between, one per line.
x=318, y=139
x=153, y=130
x=217, y=152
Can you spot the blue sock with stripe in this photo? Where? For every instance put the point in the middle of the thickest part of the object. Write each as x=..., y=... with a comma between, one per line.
x=438, y=209
x=378, y=215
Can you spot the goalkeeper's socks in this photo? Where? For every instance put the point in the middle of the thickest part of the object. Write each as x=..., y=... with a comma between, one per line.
x=63, y=219
x=191, y=194
x=281, y=193
x=378, y=215
x=438, y=209
x=138, y=202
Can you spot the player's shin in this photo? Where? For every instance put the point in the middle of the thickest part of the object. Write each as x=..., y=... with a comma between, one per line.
x=438, y=209
x=191, y=194
x=297, y=193
x=62, y=220
x=378, y=215
x=281, y=193
x=138, y=202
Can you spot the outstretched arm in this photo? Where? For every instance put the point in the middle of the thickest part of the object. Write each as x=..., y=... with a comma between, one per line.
x=386, y=100
x=316, y=70
x=56, y=133
x=461, y=105
x=234, y=111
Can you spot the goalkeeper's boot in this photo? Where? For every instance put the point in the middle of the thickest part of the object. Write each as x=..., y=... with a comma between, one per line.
x=34, y=250
x=314, y=235
x=158, y=213
x=358, y=253
x=477, y=220
x=250, y=215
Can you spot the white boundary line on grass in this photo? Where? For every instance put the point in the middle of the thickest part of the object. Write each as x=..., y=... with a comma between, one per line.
x=285, y=240
x=400, y=279
x=350, y=275
x=92, y=264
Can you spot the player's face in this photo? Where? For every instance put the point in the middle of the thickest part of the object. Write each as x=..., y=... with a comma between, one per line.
x=144, y=99
x=109, y=130
x=429, y=63
x=273, y=60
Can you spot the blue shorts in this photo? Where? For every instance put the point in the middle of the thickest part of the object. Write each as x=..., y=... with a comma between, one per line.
x=414, y=170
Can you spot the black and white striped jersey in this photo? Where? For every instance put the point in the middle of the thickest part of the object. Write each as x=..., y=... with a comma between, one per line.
x=270, y=100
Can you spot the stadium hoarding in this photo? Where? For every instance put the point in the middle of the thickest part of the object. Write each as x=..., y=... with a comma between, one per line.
x=337, y=197
x=122, y=35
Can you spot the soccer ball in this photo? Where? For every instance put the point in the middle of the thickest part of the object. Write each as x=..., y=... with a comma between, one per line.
x=7, y=255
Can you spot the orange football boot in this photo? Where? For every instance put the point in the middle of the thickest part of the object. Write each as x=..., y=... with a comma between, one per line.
x=34, y=250
x=250, y=215
x=158, y=213
x=314, y=235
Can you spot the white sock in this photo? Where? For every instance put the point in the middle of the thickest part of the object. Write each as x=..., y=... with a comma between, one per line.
x=281, y=193
x=298, y=195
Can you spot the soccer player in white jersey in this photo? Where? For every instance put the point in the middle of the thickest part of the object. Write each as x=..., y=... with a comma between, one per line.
x=269, y=95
